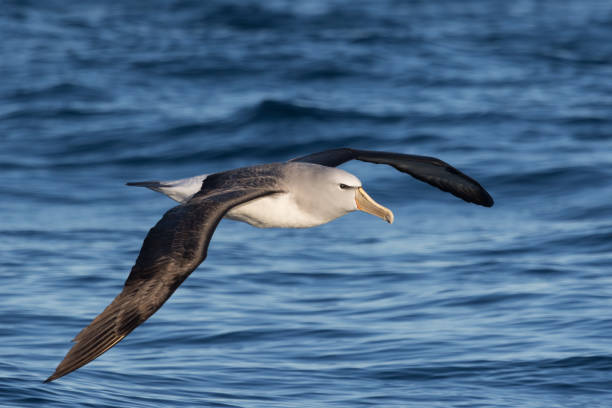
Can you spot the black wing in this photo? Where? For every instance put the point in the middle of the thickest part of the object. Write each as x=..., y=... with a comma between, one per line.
x=428, y=169
x=173, y=248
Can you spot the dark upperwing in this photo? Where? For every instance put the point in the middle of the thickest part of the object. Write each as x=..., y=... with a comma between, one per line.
x=173, y=248
x=428, y=169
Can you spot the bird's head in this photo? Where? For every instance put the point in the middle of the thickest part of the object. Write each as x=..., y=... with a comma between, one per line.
x=336, y=192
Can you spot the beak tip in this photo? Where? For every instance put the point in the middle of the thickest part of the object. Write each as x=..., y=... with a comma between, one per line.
x=365, y=203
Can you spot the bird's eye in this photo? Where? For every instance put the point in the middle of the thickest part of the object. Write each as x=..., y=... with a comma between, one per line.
x=343, y=186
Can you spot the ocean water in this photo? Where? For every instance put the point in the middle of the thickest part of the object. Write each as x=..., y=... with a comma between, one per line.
x=453, y=305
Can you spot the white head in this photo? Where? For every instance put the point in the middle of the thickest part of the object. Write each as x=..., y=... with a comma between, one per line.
x=330, y=193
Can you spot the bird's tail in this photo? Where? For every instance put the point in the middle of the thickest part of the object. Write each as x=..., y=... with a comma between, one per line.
x=153, y=185
x=179, y=190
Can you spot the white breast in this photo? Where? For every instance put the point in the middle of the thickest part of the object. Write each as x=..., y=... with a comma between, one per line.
x=275, y=211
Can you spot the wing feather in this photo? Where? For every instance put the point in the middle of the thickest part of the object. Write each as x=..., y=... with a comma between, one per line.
x=173, y=248
x=427, y=169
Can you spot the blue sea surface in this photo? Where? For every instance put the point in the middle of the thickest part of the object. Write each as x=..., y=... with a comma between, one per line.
x=454, y=305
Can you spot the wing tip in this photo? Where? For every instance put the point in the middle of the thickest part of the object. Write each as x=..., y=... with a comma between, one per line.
x=486, y=200
x=58, y=373
x=52, y=377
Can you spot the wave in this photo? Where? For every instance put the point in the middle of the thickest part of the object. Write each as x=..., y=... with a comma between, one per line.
x=273, y=110
x=63, y=90
x=539, y=372
x=237, y=134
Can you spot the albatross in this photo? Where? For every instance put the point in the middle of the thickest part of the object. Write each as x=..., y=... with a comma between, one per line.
x=300, y=193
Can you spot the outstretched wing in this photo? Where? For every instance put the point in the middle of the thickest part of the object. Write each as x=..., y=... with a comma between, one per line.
x=428, y=169
x=173, y=248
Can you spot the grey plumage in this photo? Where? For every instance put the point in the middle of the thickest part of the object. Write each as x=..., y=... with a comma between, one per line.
x=303, y=192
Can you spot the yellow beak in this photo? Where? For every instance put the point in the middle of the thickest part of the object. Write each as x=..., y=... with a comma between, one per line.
x=365, y=203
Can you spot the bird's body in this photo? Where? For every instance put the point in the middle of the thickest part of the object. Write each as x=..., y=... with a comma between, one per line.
x=301, y=193
x=292, y=208
x=299, y=205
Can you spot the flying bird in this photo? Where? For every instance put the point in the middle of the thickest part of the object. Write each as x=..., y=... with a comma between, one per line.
x=301, y=193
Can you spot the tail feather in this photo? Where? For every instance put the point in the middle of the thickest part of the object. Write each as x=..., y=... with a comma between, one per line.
x=179, y=190
x=148, y=184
